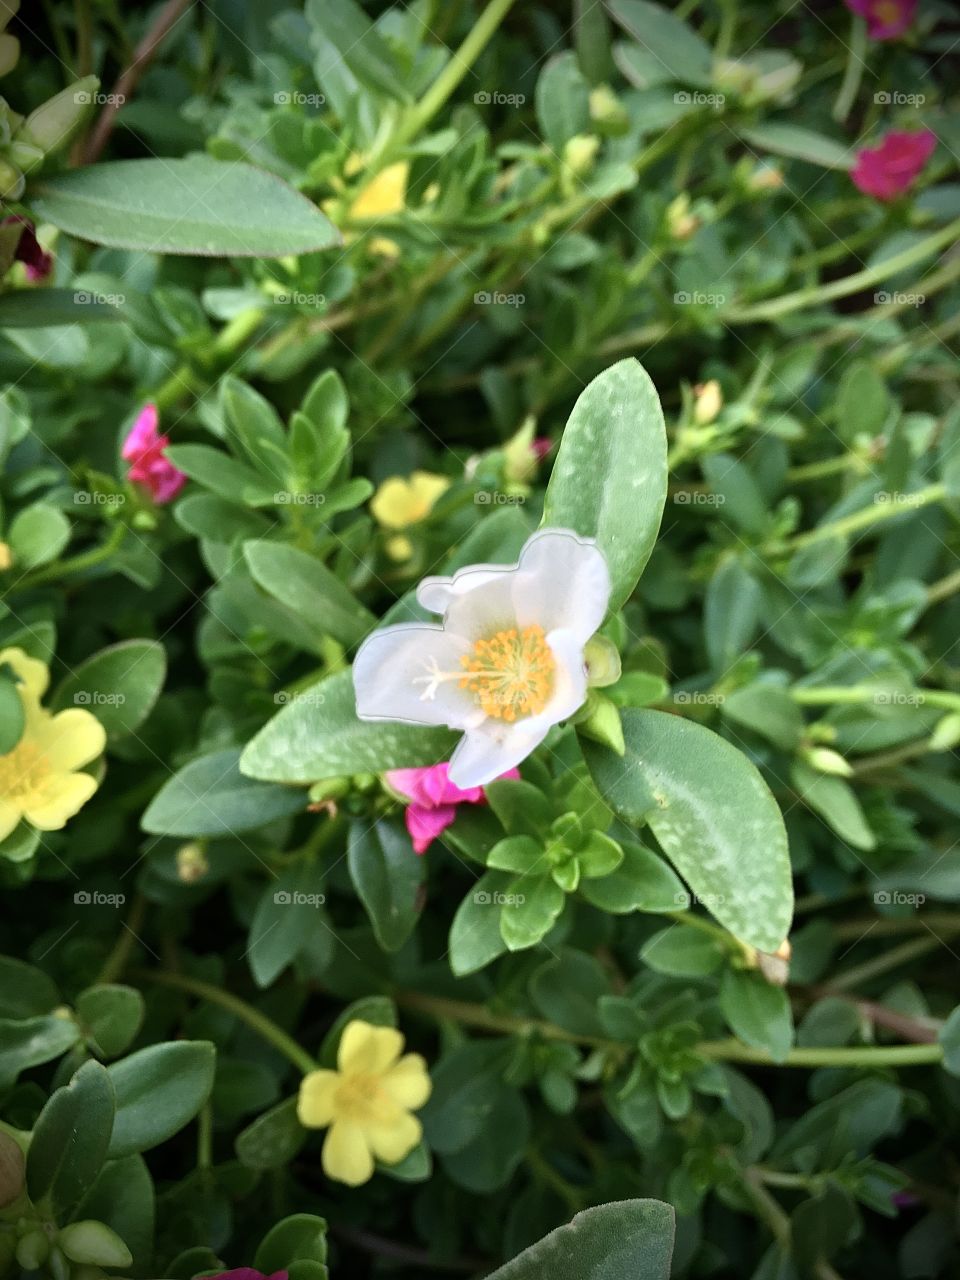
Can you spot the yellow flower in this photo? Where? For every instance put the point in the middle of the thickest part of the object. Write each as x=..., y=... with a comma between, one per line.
x=400, y=502
x=385, y=195
x=38, y=778
x=366, y=1102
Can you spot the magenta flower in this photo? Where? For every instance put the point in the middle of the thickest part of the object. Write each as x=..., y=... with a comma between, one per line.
x=248, y=1273
x=433, y=800
x=888, y=170
x=144, y=450
x=886, y=19
x=29, y=251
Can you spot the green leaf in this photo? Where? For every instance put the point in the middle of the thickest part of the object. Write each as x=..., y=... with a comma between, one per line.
x=71, y=1139
x=677, y=48
x=289, y=916
x=566, y=990
x=949, y=1039
x=358, y=42
x=682, y=952
x=475, y=937
x=387, y=876
x=562, y=101
x=625, y=1240
x=757, y=1012
x=769, y=711
x=254, y=428
x=836, y=802
x=712, y=814
x=41, y=308
x=111, y=1015
x=195, y=205
x=798, y=143
x=37, y=535
x=489, y=1160
x=517, y=853
x=303, y=583
x=11, y=714
x=223, y=475
x=29, y=1042
x=210, y=797
x=642, y=882
x=521, y=807
x=301, y=1237
x=273, y=1139
x=730, y=613
x=120, y=685
x=123, y=1197
x=158, y=1090
x=529, y=911
x=609, y=481
x=466, y=1085
x=25, y=991
x=319, y=736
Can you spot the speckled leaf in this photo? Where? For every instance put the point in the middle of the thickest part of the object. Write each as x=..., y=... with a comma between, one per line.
x=610, y=478
x=318, y=735
x=713, y=815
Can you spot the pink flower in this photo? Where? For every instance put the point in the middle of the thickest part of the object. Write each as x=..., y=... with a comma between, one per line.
x=37, y=262
x=433, y=800
x=886, y=19
x=144, y=450
x=888, y=170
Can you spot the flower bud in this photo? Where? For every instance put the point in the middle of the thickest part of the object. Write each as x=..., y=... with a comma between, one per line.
x=602, y=722
x=11, y=182
x=94, y=1242
x=607, y=111
x=826, y=760
x=946, y=734
x=603, y=662
x=192, y=864
x=580, y=152
x=775, y=965
x=681, y=223
x=33, y=1250
x=54, y=123
x=707, y=403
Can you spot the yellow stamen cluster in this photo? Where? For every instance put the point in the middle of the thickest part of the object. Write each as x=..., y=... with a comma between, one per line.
x=511, y=673
x=23, y=770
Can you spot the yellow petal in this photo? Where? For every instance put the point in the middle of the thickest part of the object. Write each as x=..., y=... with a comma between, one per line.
x=384, y=195
x=368, y=1049
x=70, y=739
x=58, y=800
x=390, y=1143
x=427, y=488
x=10, y=815
x=346, y=1156
x=315, y=1102
x=408, y=1082
x=394, y=505
x=32, y=674
x=399, y=548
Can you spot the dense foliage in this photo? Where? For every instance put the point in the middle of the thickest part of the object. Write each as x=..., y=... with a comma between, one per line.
x=303, y=306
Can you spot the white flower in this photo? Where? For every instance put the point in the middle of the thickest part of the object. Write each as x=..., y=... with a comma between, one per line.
x=506, y=663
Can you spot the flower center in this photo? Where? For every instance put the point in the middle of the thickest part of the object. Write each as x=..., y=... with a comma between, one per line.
x=356, y=1096
x=23, y=771
x=511, y=673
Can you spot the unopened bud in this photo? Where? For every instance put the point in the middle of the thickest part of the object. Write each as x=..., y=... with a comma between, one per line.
x=580, y=152
x=602, y=722
x=681, y=223
x=775, y=965
x=946, y=734
x=328, y=789
x=94, y=1243
x=707, y=403
x=602, y=660
x=54, y=123
x=6, y=557
x=607, y=111
x=826, y=760
x=192, y=864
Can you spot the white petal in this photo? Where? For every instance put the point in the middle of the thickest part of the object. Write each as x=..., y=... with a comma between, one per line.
x=392, y=677
x=481, y=756
x=436, y=594
x=563, y=582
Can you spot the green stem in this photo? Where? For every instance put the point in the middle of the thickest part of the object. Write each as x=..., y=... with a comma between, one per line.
x=449, y=78
x=943, y=589
x=881, y=964
x=254, y=1019
x=76, y=564
x=878, y=513
x=853, y=74
x=848, y=285
x=857, y=694
x=116, y=961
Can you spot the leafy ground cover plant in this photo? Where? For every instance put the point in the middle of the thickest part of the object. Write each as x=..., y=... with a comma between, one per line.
x=478, y=535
